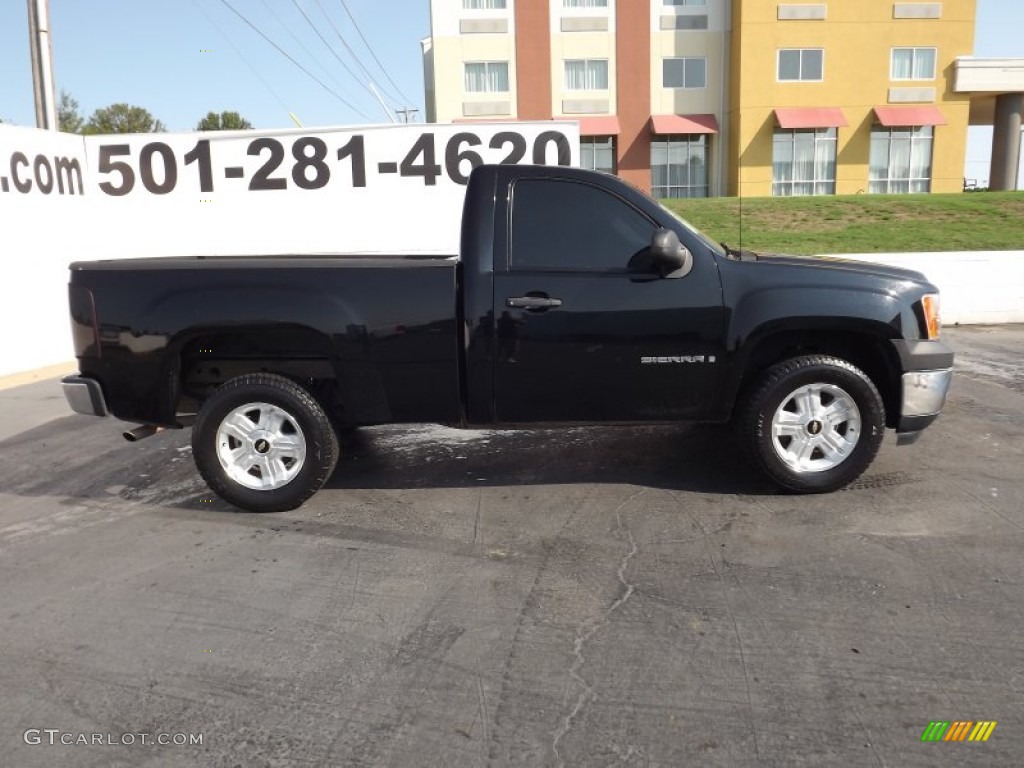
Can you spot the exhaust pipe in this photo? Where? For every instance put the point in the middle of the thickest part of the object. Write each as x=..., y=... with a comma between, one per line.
x=141, y=432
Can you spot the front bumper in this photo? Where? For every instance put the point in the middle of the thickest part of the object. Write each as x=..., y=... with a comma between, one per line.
x=924, y=392
x=85, y=396
x=928, y=373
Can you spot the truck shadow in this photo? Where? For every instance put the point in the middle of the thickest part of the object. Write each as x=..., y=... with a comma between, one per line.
x=699, y=458
x=92, y=466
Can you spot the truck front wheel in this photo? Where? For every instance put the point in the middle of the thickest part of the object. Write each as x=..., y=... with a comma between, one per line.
x=813, y=424
x=263, y=443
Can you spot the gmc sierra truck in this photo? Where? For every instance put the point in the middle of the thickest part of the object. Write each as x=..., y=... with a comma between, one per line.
x=575, y=299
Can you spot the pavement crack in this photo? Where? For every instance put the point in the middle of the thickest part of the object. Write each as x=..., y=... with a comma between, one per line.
x=871, y=742
x=987, y=506
x=476, y=517
x=706, y=536
x=739, y=643
x=524, y=612
x=588, y=629
x=484, y=718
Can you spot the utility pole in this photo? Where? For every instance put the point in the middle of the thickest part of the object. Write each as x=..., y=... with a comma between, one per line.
x=406, y=113
x=41, y=49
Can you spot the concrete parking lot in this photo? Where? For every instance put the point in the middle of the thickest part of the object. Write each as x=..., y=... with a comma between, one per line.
x=591, y=597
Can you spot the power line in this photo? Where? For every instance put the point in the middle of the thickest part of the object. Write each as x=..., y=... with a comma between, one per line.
x=302, y=45
x=241, y=55
x=329, y=46
x=344, y=42
x=284, y=53
x=370, y=49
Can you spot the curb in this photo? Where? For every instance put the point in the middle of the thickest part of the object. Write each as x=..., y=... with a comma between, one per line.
x=37, y=375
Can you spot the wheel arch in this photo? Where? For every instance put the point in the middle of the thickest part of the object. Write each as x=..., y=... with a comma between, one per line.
x=205, y=358
x=864, y=344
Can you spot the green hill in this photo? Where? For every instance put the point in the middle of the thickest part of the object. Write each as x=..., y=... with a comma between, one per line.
x=978, y=221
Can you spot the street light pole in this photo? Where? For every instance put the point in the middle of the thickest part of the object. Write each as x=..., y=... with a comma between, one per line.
x=376, y=94
x=41, y=50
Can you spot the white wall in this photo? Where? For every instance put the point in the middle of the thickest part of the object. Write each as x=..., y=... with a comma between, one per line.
x=976, y=288
x=41, y=234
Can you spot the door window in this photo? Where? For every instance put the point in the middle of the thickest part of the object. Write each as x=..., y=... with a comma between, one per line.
x=570, y=227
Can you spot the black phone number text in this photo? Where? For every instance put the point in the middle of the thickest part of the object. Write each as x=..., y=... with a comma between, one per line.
x=312, y=164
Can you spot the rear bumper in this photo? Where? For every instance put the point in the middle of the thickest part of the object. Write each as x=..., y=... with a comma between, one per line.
x=85, y=396
x=928, y=373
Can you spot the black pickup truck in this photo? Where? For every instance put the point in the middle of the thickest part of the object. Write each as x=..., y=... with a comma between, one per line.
x=575, y=299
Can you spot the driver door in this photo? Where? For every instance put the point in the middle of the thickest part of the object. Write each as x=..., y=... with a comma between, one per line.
x=582, y=338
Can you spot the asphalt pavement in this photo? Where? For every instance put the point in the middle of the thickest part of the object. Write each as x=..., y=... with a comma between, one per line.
x=587, y=597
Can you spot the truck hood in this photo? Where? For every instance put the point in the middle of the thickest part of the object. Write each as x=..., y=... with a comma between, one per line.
x=834, y=264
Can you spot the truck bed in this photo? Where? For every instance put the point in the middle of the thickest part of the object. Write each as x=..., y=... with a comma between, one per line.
x=384, y=326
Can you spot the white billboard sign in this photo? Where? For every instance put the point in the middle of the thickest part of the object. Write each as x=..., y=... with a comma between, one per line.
x=376, y=189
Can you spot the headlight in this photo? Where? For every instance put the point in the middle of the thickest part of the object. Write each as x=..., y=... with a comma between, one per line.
x=932, y=318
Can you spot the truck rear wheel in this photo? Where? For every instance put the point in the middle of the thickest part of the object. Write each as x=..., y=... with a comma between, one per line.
x=263, y=443
x=813, y=424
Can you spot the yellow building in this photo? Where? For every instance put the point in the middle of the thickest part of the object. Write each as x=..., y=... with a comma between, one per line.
x=848, y=97
x=694, y=98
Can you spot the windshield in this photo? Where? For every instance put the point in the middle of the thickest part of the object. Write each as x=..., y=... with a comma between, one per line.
x=694, y=231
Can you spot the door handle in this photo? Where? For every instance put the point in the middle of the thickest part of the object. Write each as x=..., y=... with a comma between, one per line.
x=532, y=302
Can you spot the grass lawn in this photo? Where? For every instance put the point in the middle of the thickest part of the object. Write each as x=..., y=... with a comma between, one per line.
x=977, y=221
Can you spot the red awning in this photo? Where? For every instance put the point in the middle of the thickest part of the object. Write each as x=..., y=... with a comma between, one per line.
x=684, y=124
x=816, y=117
x=599, y=126
x=901, y=117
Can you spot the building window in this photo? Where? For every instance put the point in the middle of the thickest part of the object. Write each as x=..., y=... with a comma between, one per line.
x=584, y=3
x=487, y=77
x=689, y=72
x=483, y=5
x=597, y=153
x=807, y=64
x=679, y=166
x=804, y=162
x=684, y=2
x=913, y=63
x=901, y=160
x=586, y=75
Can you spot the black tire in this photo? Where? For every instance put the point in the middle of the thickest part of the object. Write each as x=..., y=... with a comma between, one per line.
x=792, y=392
x=306, y=457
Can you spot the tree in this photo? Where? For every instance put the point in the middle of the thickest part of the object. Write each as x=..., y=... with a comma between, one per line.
x=122, y=118
x=225, y=121
x=68, y=118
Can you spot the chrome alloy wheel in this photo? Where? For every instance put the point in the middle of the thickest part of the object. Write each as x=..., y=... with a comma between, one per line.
x=816, y=428
x=261, y=446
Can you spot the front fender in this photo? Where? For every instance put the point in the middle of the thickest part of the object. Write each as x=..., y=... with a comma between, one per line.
x=802, y=312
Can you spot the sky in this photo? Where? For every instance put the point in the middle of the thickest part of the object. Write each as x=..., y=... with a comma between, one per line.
x=183, y=58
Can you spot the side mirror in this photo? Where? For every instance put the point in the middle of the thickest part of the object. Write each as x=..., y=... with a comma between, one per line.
x=670, y=257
